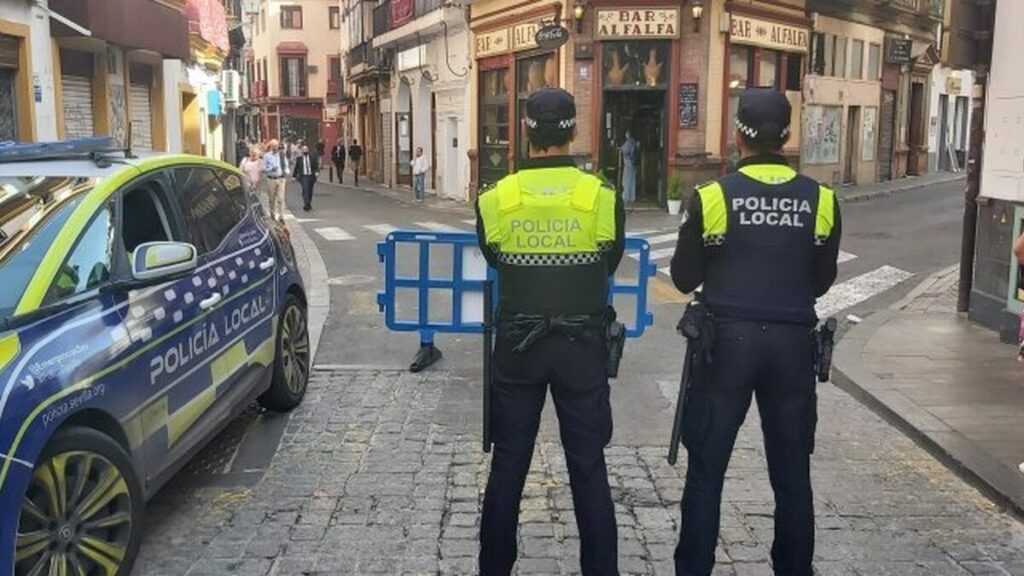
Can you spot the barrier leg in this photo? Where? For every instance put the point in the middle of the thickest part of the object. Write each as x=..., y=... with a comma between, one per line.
x=427, y=355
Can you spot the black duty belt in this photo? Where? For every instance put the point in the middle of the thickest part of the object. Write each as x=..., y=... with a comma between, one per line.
x=527, y=329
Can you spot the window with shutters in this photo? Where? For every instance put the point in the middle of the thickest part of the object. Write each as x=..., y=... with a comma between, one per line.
x=334, y=16
x=293, y=76
x=291, y=17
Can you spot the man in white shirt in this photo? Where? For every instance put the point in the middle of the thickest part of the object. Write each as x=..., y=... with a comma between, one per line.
x=273, y=169
x=419, y=174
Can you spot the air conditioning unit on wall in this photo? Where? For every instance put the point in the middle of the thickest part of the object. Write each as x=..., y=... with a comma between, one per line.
x=231, y=84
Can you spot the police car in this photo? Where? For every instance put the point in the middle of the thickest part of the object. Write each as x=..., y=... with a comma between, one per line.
x=144, y=302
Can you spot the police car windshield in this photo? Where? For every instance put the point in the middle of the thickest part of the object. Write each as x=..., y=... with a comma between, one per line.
x=33, y=211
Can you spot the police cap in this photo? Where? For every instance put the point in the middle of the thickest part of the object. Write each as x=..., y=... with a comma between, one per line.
x=764, y=115
x=550, y=108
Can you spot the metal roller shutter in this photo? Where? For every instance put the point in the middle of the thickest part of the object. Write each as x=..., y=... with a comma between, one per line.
x=78, y=120
x=141, y=117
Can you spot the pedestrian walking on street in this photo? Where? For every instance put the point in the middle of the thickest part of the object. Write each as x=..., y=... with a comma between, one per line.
x=419, y=174
x=274, y=171
x=338, y=158
x=764, y=242
x=320, y=147
x=630, y=152
x=551, y=326
x=307, y=167
x=241, y=149
x=355, y=154
x=252, y=167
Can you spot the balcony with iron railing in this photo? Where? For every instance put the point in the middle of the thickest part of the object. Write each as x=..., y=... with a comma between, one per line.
x=397, y=20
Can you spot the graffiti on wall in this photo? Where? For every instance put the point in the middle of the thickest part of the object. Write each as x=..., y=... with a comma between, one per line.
x=822, y=130
x=118, y=114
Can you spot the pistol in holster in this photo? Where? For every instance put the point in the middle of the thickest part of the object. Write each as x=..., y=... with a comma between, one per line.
x=825, y=339
x=614, y=341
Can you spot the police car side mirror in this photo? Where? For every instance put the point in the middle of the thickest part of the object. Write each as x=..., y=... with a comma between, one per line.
x=162, y=260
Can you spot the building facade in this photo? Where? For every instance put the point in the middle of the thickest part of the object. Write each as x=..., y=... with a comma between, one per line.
x=424, y=41
x=294, y=54
x=107, y=62
x=28, y=111
x=368, y=81
x=668, y=73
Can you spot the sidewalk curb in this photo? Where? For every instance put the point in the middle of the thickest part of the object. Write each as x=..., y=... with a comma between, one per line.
x=314, y=273
x=1003, y=485
x=916, y=184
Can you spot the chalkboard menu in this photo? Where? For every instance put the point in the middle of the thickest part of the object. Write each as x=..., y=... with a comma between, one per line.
x=688, y=105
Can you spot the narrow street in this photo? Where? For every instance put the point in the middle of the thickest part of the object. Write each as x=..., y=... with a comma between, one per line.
x=380, y=471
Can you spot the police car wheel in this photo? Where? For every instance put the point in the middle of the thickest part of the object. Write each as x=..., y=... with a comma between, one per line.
x=82, y=512
x=291, y=364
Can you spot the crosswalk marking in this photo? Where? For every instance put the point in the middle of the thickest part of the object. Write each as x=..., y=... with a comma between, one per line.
x=663, y=238
x=845, y=257
x=860, y=288
x=641, y=232
x=438, y=227
x=334, y=234
x=470, y=222
x=382, y=229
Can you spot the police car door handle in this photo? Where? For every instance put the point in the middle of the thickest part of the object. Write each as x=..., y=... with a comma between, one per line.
x=210, y=302
x=267, y=264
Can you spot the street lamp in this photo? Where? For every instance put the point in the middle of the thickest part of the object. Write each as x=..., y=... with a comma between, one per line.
x=697, y=9
x=578, y=11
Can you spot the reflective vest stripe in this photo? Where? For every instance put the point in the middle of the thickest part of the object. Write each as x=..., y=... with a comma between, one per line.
x=716, y=218
x=826, y=216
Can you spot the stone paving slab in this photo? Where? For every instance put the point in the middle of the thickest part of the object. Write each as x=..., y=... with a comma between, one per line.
x=381, y=473
x=949, y=381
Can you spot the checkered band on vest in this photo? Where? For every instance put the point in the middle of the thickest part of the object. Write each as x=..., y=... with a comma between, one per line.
x=558, y=260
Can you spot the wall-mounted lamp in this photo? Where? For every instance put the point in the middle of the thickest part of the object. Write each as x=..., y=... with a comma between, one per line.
x=697, y=9
x=579, y=9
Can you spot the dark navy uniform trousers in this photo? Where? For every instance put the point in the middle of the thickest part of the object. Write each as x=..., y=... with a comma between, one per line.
x=575, y=370
x=775, y=362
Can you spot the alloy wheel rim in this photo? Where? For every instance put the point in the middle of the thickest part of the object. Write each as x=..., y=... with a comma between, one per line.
x=294, y=350
x=76, y=518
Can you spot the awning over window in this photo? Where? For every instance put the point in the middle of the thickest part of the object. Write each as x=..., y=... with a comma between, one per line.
x=292, y=48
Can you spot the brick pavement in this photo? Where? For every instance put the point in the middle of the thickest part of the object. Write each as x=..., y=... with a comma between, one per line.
x=381, y=473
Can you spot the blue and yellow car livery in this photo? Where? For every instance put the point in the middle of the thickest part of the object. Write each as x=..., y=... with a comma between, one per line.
x=143, y=304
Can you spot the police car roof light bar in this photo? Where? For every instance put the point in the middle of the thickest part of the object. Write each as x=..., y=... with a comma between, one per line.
x=88, y=147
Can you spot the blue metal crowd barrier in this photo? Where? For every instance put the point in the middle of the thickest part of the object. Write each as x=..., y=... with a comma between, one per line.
x=465, y=284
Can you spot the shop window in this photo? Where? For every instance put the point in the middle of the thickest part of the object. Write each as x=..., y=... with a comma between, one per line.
x=494, y=125
x=532, y=74
x=839, y=63
x=857, y=59
x=818, y=59
x=794, y=72
x=874, y=62
x=741, y=66
x=635, y=64
x=291, y=17
x=769, y=71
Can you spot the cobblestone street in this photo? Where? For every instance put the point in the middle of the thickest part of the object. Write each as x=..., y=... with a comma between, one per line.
x=382, y=472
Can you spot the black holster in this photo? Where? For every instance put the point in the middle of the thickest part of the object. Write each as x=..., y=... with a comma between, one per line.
x=614, y=341
x=824, y=338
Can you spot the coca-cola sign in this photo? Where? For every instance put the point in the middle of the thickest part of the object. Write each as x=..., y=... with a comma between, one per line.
x=551, y=36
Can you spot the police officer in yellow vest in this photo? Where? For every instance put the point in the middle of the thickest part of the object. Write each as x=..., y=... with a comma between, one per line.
x=555, y=235
x=763, y=241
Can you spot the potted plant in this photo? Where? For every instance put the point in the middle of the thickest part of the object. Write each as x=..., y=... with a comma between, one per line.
x=675, y=193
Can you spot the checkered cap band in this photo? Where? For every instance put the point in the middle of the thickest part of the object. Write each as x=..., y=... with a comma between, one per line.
x=752, y=133
x=562, y=124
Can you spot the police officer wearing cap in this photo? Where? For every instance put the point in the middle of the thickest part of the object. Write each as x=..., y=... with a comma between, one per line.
x=763, y=242
x=555, y=235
